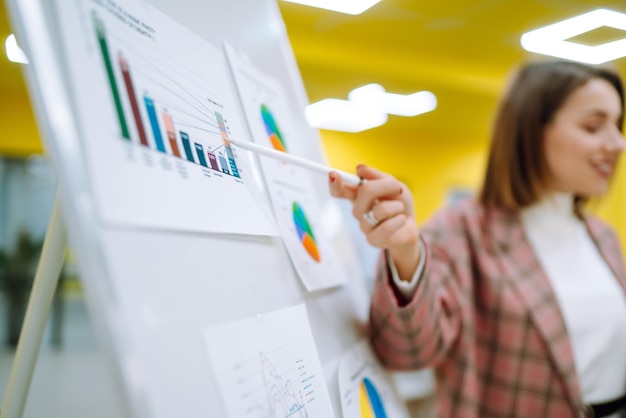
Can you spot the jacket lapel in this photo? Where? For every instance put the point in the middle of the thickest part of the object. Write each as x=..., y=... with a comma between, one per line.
x=521, y=268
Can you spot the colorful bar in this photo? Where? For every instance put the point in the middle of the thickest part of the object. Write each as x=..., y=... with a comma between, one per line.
x=128, y=81
x=224, y=165
x=187, y=145
x=171, y=134
x=200, y=153
x=212, y=161
x=104, y=50
x=156, y=131
x=231, y=159
x=229, y=152
x=222, y=126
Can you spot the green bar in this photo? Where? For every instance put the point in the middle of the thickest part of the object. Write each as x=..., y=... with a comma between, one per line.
x=104, y=49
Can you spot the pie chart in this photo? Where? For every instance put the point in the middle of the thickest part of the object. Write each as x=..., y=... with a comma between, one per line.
x=271, y=127
x=370, y=403
x=305, y=233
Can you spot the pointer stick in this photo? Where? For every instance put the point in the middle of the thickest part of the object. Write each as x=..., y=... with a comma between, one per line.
x=347, y=178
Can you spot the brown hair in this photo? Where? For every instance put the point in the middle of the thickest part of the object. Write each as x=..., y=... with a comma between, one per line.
x=517, y=168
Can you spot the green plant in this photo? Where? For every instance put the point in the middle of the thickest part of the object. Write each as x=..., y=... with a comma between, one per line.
x=17, y=270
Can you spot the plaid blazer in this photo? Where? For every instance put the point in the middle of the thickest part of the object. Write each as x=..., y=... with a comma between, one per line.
x=485, y=317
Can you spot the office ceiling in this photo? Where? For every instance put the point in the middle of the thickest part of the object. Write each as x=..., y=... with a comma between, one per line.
x=462, y=50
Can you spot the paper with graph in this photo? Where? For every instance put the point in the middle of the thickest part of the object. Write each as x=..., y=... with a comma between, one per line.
x=156, y=119
x=267, y=367
x=297, y=208
x=366, y=389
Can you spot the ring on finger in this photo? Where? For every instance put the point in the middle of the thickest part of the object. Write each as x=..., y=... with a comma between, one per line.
x=370, y=218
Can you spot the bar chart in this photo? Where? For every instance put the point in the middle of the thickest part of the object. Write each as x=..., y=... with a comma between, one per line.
x=156, y=121
x=165, y=123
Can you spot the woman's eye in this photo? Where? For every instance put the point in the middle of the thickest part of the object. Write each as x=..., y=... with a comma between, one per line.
x=591, y=128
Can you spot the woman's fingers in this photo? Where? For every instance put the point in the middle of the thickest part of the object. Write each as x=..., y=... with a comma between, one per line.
x=369, y=173
x=373, y=191
x=339, y=189
x=397, y=231
x=382, y=205
x=380, y=212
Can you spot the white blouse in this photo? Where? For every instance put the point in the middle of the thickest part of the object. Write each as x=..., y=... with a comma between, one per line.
x=591, y=300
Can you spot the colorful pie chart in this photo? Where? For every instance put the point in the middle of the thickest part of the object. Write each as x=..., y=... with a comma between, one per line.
x=370, y=403
x=271, y=127
x=305, y=233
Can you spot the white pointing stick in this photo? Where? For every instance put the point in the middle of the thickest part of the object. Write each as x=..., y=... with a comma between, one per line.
x=347, y=178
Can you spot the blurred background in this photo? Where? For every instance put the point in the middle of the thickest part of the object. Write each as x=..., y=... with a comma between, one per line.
x=461, y=51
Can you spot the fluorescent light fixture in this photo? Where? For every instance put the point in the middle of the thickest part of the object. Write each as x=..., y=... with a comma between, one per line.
x=367, y=93
x=367, y=107
x=14, y=52
x=352, y=7
x=551, y=39
x=344, y=115
x=395, y=104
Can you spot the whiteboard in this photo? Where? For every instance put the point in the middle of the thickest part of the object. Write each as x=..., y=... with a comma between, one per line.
x=152, y=292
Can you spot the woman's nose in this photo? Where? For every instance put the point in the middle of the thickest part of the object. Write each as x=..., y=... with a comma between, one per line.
x=615, y=142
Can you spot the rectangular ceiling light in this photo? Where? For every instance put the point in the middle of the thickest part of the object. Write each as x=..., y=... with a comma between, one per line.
x=395, y=104
x=552, y=39
x=353, y=7
x=344, y=115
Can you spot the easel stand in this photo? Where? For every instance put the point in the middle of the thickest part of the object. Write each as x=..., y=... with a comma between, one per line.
x=44, y=285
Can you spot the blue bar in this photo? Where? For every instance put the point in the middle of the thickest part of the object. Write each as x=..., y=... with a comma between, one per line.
x=224, y=165
x=154, y=121
x=187, y=146
x=200, y=153
x=231, y=160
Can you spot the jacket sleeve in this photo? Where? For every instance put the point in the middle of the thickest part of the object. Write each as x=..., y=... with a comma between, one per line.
x=422, y=332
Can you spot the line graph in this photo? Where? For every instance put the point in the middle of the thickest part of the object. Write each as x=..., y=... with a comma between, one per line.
x=274, y=384
x=284, y=396
x=266, y=373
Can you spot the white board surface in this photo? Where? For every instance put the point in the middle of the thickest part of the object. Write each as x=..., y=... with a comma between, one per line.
x=153, y=290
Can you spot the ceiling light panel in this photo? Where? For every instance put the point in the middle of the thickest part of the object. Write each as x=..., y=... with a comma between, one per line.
x=353, y=7
x=552, y=39
x=344, y=115
x=367, y=107
x=13, y=51
x=395, y=104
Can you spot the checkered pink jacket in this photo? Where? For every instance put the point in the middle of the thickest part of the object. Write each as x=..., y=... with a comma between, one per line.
x=485, y=318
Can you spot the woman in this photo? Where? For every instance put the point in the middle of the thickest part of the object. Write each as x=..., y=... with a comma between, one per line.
x=515, y=298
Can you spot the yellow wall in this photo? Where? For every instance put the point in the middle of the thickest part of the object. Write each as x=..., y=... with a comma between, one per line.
x=432, y=165
x=20, y=136
x=612, y=207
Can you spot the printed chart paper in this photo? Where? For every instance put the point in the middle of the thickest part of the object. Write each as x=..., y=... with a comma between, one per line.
x=366, y=389
x=156, y=110
x=268, y=367
x=297, y=210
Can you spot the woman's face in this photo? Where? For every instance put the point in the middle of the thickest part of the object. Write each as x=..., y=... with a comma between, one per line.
x=583, y=142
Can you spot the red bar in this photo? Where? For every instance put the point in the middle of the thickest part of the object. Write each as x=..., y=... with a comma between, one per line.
x=133, y=99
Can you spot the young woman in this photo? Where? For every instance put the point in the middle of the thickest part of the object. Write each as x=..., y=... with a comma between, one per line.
x=517, y=298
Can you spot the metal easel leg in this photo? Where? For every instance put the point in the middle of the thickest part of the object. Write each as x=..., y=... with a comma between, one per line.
x=42, y=293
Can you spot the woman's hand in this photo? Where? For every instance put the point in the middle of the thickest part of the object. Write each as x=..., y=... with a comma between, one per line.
x=384, y=208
